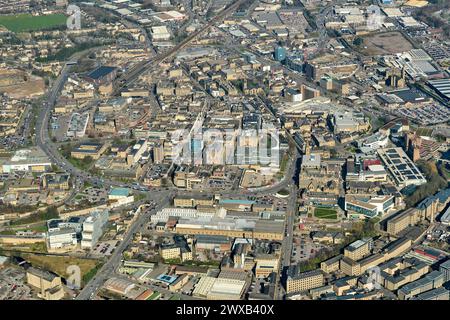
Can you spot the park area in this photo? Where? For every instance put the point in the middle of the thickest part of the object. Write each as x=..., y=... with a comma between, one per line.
x=325, y=213
x=28, y=22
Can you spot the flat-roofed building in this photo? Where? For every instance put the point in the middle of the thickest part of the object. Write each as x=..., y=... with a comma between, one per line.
x=236, y=204
x=265, y=229
x=329, y=64
x=348, y=122
x=118, y=193
x=32, y=160
x=311, y=162
x=169, y=252
x=403, y=220
x=24, y=185
x=368, y=206
x=219, y=288
x=308, y=92
x=63, y=238
x=433, y=280
x=93, y=228
x=160, y=33
x=299, y=282
x=215, y=243
x=265, y=264
x=191, y=270
x=226, y=289
x=192, y=202
x=119, y=286
x=93, y=150
x=186, y=213
x=435, y=294
x=359, y=249
x=402, y=169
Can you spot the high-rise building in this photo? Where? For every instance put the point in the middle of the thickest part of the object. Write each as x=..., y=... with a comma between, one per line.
x=280, y=54
x=93, y=228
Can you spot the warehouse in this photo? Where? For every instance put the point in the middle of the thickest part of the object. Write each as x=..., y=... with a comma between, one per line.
x=442, y=87
x=402, y=169
x=32, y=159
x=219, y=288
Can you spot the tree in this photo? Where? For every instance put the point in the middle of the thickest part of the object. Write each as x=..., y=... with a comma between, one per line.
x=66, y=150
x=435, y=182
x=358, y=41
x=87, y=160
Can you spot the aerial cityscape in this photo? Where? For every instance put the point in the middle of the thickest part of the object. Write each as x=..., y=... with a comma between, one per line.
x=224, y=150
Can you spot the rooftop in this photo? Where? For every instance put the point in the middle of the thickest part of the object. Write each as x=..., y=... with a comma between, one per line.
x=120, y=192
x=100, y=72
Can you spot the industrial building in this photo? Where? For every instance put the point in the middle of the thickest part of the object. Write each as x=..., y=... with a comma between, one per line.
x=31, y=160
x=219, y=288
x=403, y=170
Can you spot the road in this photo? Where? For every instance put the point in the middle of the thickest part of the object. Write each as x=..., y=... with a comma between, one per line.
x=44, y=142
x=114, y=261
x=291, y=213
x=132, y=75
x=161, y=196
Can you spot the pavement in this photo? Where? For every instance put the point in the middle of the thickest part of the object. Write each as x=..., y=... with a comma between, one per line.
x=114, y=261
x=161, y=196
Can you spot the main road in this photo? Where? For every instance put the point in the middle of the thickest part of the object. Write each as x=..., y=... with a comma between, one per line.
x=162, y=197
x=114, y=261
x=131, y=75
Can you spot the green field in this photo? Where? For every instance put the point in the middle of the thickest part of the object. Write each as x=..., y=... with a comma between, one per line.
x=324, y=213
x=155, y=295
x=59, y=265
x=283, y=192
x=27, y=22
